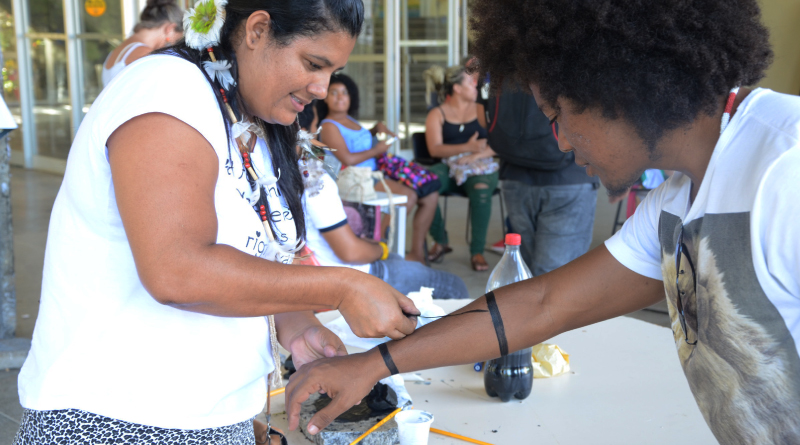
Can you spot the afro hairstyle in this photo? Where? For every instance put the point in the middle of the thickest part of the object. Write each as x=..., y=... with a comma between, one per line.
x=655, y=63
x=352, y=91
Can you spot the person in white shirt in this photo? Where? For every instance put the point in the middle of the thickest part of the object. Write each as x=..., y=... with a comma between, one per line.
x=160, y=24
x=334, y=244
x=634, y=86
x=166, y=279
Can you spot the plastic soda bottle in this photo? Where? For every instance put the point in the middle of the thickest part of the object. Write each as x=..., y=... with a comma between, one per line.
x=512, y=375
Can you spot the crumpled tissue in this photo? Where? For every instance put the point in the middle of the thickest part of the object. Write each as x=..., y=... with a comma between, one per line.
x=549, y=361
x=422, y=299
x=424, y=302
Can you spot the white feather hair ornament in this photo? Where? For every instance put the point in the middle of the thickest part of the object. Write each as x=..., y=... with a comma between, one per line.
x=221, y=71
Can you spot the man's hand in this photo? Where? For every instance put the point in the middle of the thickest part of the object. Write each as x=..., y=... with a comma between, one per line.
x=346, y=380
x=313, y=343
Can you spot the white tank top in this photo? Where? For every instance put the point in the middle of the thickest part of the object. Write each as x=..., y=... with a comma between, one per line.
x=120, y=63
x=101, y=342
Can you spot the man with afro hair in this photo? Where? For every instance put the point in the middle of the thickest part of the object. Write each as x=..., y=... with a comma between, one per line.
x=635, y=85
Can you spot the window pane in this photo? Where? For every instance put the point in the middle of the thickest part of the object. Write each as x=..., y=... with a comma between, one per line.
x=109, y=22
x=370, y=41
x=46, y=16
x=94, y=55
x=51, y=97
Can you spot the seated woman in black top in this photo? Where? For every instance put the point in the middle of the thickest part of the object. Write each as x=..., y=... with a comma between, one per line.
x=452, y=132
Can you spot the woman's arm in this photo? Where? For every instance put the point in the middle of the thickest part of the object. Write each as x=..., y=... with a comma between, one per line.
x=380, y=127
x=332, y=137
x=436, y=147
x=164, y=174
x=350, y=248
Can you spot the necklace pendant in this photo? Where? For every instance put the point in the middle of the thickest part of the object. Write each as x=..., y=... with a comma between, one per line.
x=461, y=128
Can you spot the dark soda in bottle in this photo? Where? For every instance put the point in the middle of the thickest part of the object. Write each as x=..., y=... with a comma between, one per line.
x=511, y=375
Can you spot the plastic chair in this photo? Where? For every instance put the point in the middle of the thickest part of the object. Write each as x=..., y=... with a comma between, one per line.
x=423, y=156
x=635, y=196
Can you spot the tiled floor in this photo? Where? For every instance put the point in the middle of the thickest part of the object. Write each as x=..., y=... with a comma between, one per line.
x=33, y=194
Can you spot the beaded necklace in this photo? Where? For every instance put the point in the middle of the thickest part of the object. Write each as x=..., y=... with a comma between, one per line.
x=246, y=142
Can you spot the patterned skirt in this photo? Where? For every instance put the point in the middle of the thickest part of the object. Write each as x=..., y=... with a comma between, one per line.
x=77, y=427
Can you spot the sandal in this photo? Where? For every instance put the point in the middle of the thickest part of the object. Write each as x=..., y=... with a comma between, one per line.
x=479, y=263
x=437, y=252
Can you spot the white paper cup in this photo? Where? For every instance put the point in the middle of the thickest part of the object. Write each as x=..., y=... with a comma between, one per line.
x=413, y=426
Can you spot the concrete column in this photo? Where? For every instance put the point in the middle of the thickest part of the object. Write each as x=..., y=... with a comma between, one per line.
x=13, y=351
x=8, y=295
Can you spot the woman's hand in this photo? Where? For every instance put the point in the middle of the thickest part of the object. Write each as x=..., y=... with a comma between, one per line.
x=373, y=309
x=313, y=343
x=380, y=127
x=346, y=380
x=476, y=145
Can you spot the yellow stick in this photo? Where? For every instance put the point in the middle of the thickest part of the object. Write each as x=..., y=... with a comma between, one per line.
x=377, y=425
x=277, y=391
x=457, y=436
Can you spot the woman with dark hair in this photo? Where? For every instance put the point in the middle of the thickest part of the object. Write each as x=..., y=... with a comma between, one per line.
x=160, y=24
x=353, y=145
x=168, y=278
x=454, y=133
x=660, y=84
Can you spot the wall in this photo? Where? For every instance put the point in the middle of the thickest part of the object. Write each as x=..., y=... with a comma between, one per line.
x=782, y=17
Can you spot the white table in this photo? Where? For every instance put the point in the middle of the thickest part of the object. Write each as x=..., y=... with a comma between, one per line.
x=626, y=387
x=400, y=227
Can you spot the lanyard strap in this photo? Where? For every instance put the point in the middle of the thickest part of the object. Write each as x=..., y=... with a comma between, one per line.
x=726, y=115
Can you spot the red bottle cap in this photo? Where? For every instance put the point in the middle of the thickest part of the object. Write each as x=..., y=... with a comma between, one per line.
x=513, y=239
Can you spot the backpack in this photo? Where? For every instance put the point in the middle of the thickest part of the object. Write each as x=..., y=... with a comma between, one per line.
x=521, y=134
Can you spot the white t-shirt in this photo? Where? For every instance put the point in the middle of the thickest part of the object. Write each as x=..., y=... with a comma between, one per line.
x=325, y=212
x=742, y=235
x=101, y=342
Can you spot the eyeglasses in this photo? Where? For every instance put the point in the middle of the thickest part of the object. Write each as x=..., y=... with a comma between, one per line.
x=682, y=250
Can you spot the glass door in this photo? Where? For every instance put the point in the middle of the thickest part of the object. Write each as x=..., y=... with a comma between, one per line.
x=60, y=48
x=48, y=121
x=368, y=61
x=400, y=39
x=423, y=33
x=10, y=72
x=98, y=32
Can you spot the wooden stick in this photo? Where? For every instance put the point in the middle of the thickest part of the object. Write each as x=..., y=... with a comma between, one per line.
x=277, y=391
x=457, y=436
x=252, y=173
x=377, y=425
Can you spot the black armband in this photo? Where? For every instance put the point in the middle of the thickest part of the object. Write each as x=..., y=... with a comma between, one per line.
x=387, y=358
x=497, y=321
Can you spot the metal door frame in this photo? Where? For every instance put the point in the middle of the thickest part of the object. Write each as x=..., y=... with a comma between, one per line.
x=395, y=46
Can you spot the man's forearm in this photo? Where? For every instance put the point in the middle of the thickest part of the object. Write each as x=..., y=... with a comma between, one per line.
x=473, y=336
x=531, y=311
